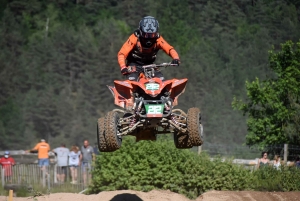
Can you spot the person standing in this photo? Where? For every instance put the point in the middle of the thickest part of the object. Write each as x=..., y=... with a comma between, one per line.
x=276, y=162
x=7, y=162
x=62, y=154
x=43, y=148
x=74, y=162
x=87, y=157
x=263, y=161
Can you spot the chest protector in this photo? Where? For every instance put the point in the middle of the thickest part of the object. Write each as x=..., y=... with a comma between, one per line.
x=142, y=55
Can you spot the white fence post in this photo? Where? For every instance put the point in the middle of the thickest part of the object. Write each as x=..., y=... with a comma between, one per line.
x=55, y=173
x=285, y=154
x=199, y=150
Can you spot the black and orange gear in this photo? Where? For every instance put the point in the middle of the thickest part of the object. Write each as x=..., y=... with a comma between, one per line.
x=133, y=51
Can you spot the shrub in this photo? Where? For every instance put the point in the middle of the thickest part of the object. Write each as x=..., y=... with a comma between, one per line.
x=150, y=165
x=270, y=179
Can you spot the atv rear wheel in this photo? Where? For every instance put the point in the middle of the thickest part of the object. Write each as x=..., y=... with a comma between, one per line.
x=101, y=135
x=182, y=140
x=113, y=141
x=194, y=126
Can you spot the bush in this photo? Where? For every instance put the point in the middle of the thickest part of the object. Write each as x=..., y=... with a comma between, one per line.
x=270, y=179
x=150, y=165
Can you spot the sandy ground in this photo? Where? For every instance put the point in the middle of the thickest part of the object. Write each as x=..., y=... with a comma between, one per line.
x=158, y=195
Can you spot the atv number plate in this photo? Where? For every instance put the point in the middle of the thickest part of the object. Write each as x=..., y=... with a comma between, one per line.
x=152, y=86
x=154, y=109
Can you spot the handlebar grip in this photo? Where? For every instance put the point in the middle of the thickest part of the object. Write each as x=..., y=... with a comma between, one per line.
x=139, y=68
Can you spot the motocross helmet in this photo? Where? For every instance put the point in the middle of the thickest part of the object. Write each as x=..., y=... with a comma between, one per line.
x=148, y=28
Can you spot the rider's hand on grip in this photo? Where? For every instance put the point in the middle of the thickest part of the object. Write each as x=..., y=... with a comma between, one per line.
x=175, y=61
x=124, y=70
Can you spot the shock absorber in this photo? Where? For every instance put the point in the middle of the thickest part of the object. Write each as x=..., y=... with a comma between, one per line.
x=132, y=121
x=140, y=105
x=174, y=119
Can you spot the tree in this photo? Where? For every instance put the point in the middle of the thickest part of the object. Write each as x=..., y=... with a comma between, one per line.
x=58, y=56
x=273, y=104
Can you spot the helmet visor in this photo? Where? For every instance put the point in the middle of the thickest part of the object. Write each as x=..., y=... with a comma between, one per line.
x=148, y=35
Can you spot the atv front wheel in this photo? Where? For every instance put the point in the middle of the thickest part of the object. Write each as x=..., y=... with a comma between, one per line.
x=194, y=126
x=113, y=141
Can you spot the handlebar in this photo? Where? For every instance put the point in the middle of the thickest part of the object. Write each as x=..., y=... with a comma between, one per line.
x=155, y=66
x=150, y=69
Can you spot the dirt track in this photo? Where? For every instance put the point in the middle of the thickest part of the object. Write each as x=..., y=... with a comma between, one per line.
x=157, y=195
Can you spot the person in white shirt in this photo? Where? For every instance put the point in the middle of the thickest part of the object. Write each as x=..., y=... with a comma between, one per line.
x=62, y=154
x=74, y=163
x=276, y=163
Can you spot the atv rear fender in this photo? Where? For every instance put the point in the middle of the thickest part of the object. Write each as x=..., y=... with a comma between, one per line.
x=177, y=88
x=122, y=92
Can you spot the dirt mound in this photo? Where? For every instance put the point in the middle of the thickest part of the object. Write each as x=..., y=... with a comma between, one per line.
x=159, y=195
x=250, y=196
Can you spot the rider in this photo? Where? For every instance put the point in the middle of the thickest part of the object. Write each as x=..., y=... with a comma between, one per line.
x=141, y=49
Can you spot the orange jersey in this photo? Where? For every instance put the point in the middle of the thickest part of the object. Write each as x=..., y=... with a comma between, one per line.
x=43, y=148
x=132, y=50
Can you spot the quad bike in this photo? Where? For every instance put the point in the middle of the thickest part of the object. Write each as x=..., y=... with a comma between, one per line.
x=147, y=110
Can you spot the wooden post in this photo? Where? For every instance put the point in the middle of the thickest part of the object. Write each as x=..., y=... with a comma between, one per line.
x=48, y=177
x=10, y=196
x=44, y=177
x=285, y=154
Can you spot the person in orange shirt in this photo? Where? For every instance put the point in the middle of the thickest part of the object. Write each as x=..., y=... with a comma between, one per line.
x=43, y=148
x=141, y=49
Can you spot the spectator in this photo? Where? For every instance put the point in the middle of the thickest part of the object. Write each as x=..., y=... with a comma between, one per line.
x=43, y=148
x=263, y=161
x=87, y=157
x=74, y=162
x=7, y=162
x=297, y=163
x=276, y=162
x=62, y=162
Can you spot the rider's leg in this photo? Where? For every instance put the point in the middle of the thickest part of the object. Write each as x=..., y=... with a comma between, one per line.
x=159, y=75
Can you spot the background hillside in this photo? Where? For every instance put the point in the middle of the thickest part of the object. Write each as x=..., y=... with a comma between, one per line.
x=58, y=56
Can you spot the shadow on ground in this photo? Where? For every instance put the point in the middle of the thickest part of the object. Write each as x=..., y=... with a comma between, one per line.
x=126, y=197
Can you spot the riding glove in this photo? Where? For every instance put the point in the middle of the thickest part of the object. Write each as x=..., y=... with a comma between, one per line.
x=124, y=70
x=175, y=61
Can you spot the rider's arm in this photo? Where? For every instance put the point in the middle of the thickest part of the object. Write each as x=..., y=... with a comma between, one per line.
x=167, y=48
x=126, y=48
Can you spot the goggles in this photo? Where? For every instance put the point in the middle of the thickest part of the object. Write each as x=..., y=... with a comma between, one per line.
x=148, y=35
